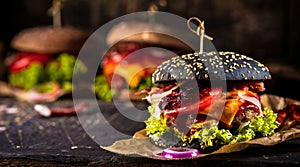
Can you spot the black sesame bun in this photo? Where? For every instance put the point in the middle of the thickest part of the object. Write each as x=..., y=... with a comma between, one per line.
x=211, y=66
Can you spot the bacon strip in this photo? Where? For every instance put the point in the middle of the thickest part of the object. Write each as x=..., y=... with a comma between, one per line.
x=212, y=106
x=290, y=112
x=209, y=101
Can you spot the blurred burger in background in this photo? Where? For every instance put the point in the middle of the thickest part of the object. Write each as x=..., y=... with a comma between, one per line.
x=135, y=50
x=43, y=59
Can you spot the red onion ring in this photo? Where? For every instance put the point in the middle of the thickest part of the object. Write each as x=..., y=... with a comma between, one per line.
x=178, y=153
x=253, y=100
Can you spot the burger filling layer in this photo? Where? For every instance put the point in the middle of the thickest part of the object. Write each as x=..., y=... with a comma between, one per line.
x=210, y=114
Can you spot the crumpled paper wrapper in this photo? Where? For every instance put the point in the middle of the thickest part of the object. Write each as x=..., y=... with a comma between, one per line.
x=140, y=144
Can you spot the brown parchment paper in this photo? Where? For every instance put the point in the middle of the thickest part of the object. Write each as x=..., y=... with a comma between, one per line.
x=139, y=144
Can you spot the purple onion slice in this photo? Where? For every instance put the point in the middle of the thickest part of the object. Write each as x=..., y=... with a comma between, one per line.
x=179, y=152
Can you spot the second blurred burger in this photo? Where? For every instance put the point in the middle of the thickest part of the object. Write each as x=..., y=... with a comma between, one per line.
x=136, y=49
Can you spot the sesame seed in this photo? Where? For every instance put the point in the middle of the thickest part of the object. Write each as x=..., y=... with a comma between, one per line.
x=199, y=65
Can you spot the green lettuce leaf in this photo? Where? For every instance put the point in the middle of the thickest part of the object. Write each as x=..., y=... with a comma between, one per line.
x=155, y=127
x=104, y=91
x=102, y=88
x=61, y=69
x=28, y=78
x=265, y=124
x=208, y=133
x=145, y=83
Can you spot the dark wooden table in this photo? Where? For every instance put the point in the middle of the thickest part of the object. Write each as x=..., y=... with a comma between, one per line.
x=27, y=139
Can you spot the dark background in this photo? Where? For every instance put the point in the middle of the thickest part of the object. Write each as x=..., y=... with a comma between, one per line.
x=266, y=30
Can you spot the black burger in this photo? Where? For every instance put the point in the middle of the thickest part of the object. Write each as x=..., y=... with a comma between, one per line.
x=223, y=108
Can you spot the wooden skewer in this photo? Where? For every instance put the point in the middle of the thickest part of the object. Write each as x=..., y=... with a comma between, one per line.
x=55, y=12
x=200, y=31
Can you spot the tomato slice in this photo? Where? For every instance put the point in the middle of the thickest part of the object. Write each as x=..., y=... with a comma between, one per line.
x=23, y=60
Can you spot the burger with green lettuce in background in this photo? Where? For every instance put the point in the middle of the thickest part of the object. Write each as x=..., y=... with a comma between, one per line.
x=127, y=58
x=42, y=61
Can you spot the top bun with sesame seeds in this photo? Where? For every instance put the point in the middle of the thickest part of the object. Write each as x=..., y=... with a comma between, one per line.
x=211, y=66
